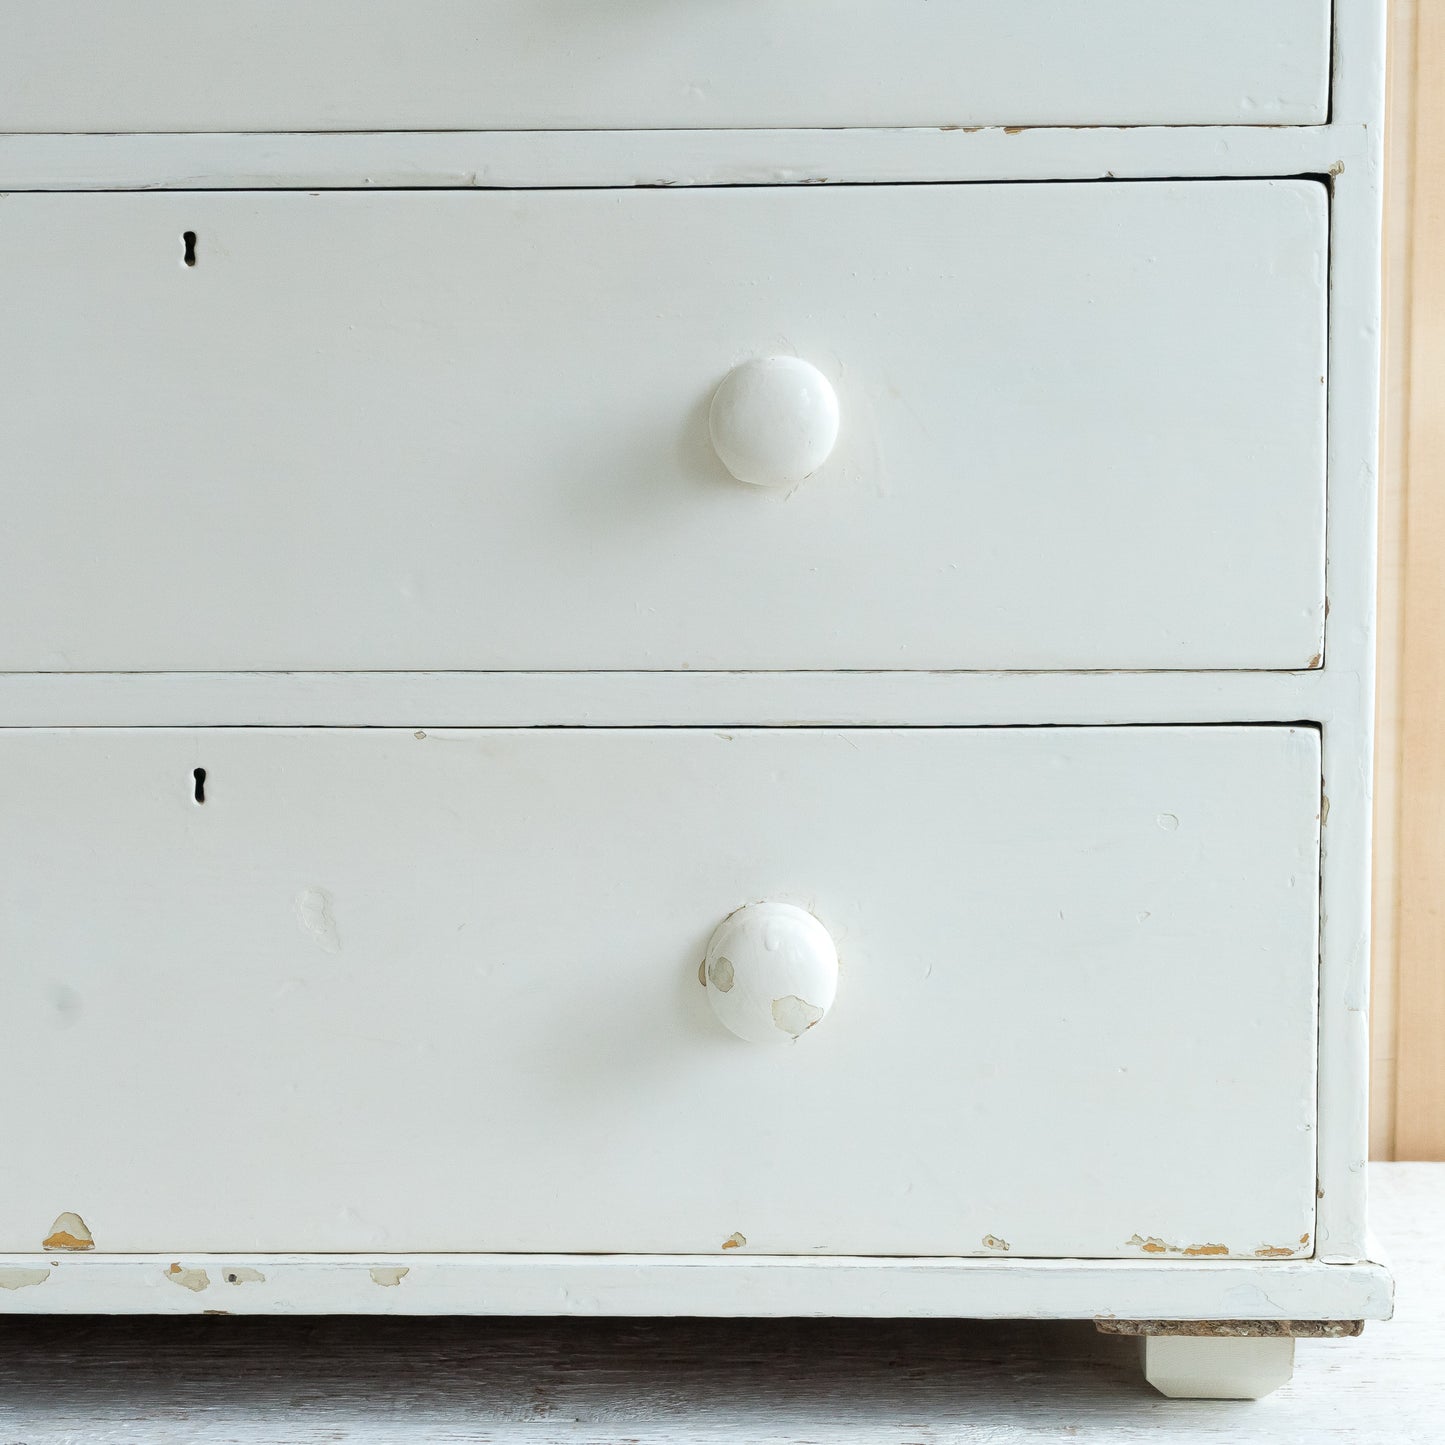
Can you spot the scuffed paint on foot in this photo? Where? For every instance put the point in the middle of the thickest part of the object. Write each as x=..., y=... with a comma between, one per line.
x=68, y=1232
x=193, y=1279
x=389, y=1275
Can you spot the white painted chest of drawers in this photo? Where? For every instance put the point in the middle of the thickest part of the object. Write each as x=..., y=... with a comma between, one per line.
x=518, y=510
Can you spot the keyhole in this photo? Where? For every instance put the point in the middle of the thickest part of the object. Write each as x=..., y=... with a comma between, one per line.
x=200, y=779
x=189, y=237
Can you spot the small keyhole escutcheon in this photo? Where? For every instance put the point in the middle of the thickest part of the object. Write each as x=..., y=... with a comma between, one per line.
x=188, y=241
x=198, y=778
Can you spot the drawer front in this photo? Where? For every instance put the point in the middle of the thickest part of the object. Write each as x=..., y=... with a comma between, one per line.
x=255, y=65
x=1077, y=426
x=421, y=991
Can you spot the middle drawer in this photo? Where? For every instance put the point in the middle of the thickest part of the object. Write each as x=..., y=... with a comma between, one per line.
x=1081, y=426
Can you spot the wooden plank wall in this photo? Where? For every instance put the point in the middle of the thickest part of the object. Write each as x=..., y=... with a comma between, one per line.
x=1408, y=1116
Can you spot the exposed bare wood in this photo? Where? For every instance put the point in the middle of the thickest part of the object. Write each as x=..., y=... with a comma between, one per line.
x=1419, y=1130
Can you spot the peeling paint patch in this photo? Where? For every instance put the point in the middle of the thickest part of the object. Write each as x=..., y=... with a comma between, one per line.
x=313, y=913
x=1338, y=169
x=734, y=1241
x=992, y=1241
x=389, y=1275
x=720, y=974
x=22, y=1278
x=1152, y=1245
x=192, y=1279
x=419, y=735
x=795, y=1015
x=1274, y=1252
x=1324, y=809
x=68, y=1232
x=242, y=1274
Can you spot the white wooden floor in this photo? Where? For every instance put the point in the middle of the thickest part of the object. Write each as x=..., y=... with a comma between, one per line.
x=211, y=1380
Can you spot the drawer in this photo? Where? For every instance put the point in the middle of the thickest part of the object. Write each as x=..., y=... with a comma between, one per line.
x=256, y=65
x=1079, y=426
x=417, y=991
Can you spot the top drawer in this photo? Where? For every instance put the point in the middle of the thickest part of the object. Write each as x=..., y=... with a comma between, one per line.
x=262, y=65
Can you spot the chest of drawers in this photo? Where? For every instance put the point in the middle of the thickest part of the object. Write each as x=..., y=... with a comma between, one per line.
x=691, y=659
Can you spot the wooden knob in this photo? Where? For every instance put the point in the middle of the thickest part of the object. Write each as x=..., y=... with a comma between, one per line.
x=774, y=421
x=771, y=972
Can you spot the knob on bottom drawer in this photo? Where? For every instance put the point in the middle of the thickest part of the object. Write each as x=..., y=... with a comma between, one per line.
x=771, y=972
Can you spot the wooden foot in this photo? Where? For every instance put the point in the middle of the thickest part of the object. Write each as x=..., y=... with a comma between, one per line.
x=1205, y=1367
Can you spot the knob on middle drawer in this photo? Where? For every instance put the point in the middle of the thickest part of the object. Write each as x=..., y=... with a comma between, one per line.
x=771, y=972
x=774, y=421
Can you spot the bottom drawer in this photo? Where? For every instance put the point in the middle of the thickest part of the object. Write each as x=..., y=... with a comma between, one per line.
x=439, y=991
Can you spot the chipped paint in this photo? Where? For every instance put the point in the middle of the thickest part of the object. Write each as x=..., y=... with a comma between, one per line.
x=1324, y=820
x=1274, y=1252
x=992, y=1241
x=1233, y=1329
x=1314, y=662
x=795, y=1015
x=1338, y=169
x=1151, y=1245
x=734, y=1241
x=69, y=1231
x=314, y=914
x=389, y=1275
x=242, y=1274
x=721, y=975
x=22, y=1278
x=192, y=1279
x=419, y=735
x=1154, y=1245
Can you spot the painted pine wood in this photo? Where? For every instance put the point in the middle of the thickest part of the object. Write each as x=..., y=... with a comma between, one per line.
x=403, y=991
x=471, y=431
x=707, y=1382
x=541, y=160
x=257, y=65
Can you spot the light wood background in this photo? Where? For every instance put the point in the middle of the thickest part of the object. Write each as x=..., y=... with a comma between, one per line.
x=1408, y=1114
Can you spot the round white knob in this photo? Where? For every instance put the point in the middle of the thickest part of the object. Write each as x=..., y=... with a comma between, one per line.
x=771, y=972
x=774, y=421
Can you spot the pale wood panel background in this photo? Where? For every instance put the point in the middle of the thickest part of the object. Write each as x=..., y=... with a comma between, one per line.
x=1408, y=1118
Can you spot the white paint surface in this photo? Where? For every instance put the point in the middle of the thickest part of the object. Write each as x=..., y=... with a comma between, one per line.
x=248, y=65
x=1076, y=1004
x=469, y=431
